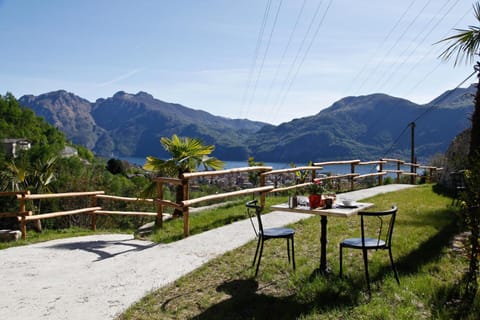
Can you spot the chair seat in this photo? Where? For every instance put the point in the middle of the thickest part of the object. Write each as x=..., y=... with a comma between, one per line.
x=278, y=232
x=357, y=243
x=270, y=233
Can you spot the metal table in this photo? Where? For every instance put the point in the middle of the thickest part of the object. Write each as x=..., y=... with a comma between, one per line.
x=336, y=211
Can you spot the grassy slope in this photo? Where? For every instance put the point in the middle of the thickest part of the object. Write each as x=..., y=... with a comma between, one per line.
x=430, y=274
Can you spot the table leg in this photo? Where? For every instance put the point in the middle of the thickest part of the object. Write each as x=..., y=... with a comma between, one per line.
x=323, y=244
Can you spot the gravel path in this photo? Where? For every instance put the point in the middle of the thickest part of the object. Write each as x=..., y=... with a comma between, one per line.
x=99, y=276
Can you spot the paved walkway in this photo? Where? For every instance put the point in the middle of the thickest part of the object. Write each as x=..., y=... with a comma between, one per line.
x=99, y=276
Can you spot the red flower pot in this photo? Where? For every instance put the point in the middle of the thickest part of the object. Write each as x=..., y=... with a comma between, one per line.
x=315, y=201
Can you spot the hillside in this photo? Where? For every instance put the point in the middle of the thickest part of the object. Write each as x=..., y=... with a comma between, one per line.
x=366, y=127
x=354, y=127
x=20, y=123
x=132, y=125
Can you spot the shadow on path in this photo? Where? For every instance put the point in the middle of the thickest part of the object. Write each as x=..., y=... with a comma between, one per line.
x=106, y=249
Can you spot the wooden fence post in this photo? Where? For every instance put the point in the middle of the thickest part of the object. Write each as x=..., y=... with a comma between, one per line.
x=352, y=181
x=262, y=194
x=398, y=173
x=23, y=222
x=186, y=221
x=380, y=178
x=94, y=215
x=159, y=221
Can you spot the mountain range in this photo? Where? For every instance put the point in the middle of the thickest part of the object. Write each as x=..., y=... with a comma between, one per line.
x=364, y=127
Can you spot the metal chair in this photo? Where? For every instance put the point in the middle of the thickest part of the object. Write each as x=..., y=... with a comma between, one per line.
x=269, y=233
x=458, y=184
x=383, y=241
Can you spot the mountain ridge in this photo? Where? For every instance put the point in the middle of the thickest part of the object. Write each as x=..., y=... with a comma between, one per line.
x=353, y=127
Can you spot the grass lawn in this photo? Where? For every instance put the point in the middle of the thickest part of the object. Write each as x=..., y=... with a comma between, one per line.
x=430, y=273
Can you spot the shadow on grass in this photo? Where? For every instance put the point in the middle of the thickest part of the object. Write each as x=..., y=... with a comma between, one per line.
x=431, y=249
x=246, y=303
x=457, y=301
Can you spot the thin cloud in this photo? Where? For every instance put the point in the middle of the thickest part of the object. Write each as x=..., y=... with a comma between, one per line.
x=120, y=78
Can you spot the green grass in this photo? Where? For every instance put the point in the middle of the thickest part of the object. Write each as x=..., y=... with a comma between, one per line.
x=430, y=273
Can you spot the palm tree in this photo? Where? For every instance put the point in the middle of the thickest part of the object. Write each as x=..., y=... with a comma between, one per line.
x=21, y=176
x=465, y=47
x=187, y=155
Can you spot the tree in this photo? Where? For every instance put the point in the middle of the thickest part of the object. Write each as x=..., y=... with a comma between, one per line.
x=187, y=155
x=254, y=177
x=37, y=178
x=116, y=166
x=465, y=46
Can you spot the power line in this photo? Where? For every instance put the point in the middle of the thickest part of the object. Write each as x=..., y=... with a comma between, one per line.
x=433, y=106
x=290, y=38
x=354, y=80
x=312, y=40
x=377, y=120
x=255, y=55
x=265, y=54
x=424, y=56
x=394, y=45
x=298, y=52
x=399, y=65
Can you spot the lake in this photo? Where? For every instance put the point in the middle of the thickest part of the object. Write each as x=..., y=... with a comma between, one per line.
x=345, y=168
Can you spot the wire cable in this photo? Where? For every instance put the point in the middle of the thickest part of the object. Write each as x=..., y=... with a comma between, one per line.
x=429, y=51
x=393, y=71
x=265, y=55
x=299, y=66
x=379, y=63
x=436, y=105
x=290, y=38
x=382, y=43
x=255, y=55
x=377, y=120
x=292, y=65
x=432, y=107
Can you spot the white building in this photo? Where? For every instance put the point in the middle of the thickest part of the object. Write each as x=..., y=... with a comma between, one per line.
x=14, y=146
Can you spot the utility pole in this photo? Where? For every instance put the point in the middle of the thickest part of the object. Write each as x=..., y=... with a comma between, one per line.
x=412, y=154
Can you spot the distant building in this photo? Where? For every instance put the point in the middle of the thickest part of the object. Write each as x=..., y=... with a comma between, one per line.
x=68, y=152
x=14, y=146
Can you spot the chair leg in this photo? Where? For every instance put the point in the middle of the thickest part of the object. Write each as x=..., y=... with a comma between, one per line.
x=256, y=251
x=393, y=265
x=293, y=254
x=288, y=249
x=365, y=262
x=259, y=258
x=341, y=260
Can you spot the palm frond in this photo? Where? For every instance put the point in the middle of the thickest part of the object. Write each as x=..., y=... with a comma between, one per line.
x=465, y=44
x=213, y=163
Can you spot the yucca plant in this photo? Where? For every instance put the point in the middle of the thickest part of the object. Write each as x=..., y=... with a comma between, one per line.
x=187, y=155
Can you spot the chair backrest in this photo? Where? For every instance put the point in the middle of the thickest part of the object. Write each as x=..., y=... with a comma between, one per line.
x=252, y=204
x=384, y=232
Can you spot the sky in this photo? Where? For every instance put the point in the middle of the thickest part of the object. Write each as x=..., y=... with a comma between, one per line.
x=263, y=60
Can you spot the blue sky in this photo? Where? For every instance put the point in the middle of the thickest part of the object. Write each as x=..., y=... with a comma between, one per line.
x=213, y=55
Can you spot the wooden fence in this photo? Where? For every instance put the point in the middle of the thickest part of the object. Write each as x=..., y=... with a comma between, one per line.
x=310, y=174
x=24, y=216
x=265, y=172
